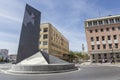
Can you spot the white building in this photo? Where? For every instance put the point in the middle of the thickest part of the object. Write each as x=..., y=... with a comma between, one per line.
x=3, y=54
x=12, y=57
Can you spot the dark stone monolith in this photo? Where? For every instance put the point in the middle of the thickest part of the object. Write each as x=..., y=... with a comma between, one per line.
x=29, y=38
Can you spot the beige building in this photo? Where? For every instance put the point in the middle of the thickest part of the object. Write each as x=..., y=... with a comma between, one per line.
x=103, y=38
x=52, y=41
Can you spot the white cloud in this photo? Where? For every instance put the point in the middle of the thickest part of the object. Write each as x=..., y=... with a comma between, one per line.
x=69, y=17
x=11, y=13
x=9, y=41
x=12, y=47
x=8, y=17
x=8, y=36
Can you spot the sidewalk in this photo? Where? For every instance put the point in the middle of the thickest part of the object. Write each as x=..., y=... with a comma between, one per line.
x=107, y=64
x=99, y=64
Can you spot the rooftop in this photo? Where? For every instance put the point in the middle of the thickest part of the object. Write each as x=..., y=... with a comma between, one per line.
x=106, y=17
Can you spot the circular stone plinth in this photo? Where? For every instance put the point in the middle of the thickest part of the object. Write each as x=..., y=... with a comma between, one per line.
x=42, y=69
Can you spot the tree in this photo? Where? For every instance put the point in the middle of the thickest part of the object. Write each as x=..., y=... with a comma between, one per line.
x=74, y=55
x=71, y=56
x=86, y=56
x=1, y=59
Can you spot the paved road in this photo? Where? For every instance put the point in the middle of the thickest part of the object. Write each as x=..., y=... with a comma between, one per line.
x=91, y=72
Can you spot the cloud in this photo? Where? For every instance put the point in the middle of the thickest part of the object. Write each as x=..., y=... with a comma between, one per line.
x=9, y=41
x=10, y=23
x=9, y=17
x=69, y=17
x=11, y=46
x=8, y=37
x=10, y=12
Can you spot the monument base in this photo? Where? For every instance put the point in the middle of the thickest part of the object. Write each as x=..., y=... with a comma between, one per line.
x=42, y=69
x=42, y=63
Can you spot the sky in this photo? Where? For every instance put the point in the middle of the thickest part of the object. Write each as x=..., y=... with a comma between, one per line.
x=67, y=16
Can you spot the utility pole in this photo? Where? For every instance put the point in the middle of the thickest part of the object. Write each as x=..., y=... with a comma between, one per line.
x=83, y=48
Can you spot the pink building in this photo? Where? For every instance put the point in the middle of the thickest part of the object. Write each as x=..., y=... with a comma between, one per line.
x=103, y=38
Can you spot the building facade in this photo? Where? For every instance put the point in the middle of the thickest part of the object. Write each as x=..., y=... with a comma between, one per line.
x=52, y=41
x=12, y=57
x=103, y=38
x=3, y=54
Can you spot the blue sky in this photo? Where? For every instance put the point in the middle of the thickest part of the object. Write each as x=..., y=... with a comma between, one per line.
x=67, y=16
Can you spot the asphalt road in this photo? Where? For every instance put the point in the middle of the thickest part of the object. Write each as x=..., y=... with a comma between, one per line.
x=90, y=72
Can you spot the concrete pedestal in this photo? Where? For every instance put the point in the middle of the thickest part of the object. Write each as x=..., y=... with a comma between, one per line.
x=42, y=69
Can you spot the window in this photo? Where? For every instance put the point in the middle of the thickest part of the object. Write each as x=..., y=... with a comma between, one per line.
x=108, y=37
x=105, y=56
x=116, y=45
x=100, y=22
x=90, y=31
x=92, y=47
x=115, y=37
x=110, y=46
x=95, y=23
x=103, y=38
x=104, y=46
x=92, y=39
x=89, y=23
x=113, y=28
x=97, y=38
x=117, y=20
x=98, y=46
x=99, y=56
x=96, y=30
x=93, y=56
x=101, y=30
x=118, y=27
x=45, y=36
x=106, y=21
x=107, y=29
x=111, y=20
x=45, y=30
x=117, y=55
x=45, y=43
x=111, y=54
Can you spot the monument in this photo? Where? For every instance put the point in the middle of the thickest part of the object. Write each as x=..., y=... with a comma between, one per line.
x=29, y=38
x=29, y=58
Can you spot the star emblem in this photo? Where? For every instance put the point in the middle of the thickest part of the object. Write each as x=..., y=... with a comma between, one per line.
x=28, y=18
